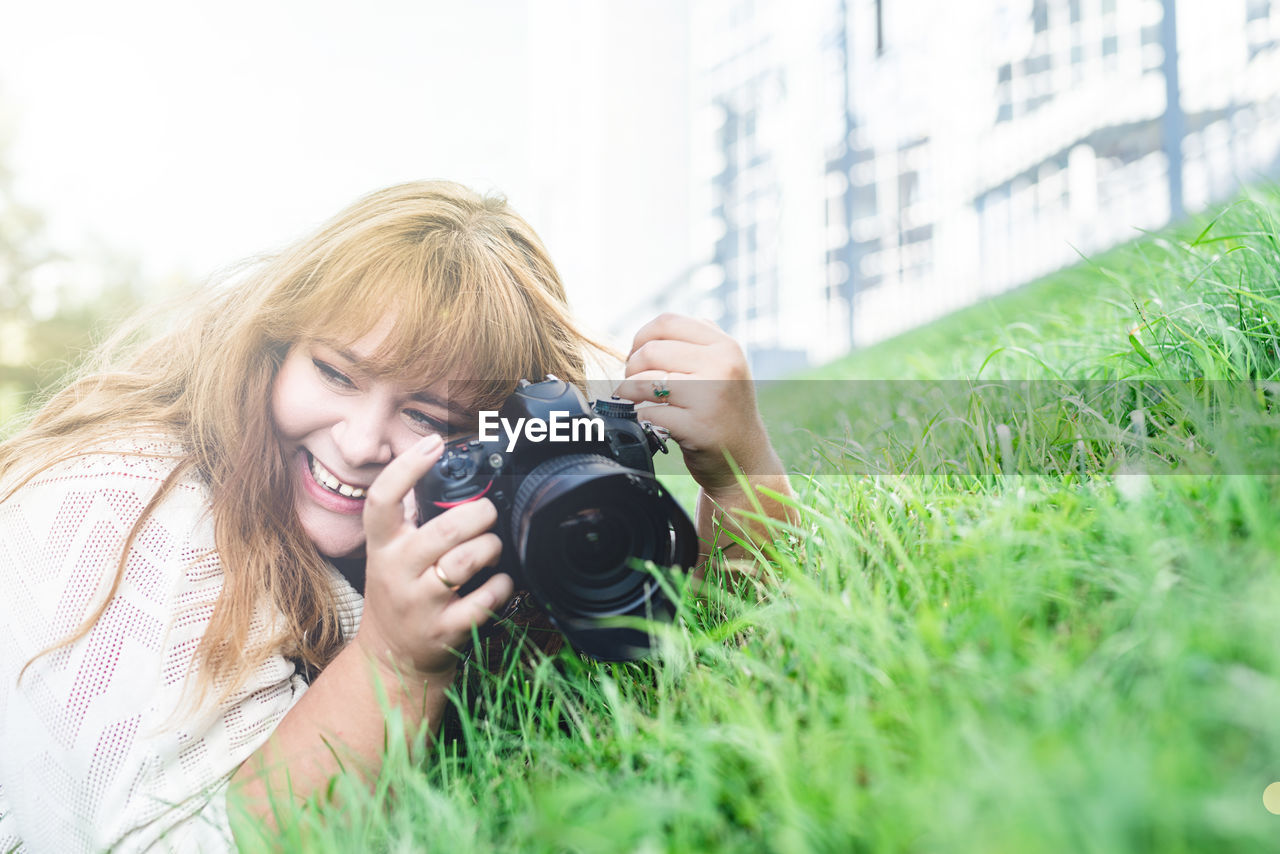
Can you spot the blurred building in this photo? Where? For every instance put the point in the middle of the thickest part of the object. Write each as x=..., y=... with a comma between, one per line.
x=863, y=166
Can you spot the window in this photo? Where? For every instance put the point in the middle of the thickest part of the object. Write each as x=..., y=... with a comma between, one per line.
x=879, y=27
x=862, y=200
x=908, y=190
x=1038, y=64
x=1040, y=15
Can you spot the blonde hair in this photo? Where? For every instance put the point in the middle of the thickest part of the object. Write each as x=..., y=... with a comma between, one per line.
x=472, y=294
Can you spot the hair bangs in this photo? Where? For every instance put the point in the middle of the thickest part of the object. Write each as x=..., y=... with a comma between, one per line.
x=445, y=311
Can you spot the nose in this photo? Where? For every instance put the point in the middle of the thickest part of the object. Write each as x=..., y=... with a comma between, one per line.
x=363, y=437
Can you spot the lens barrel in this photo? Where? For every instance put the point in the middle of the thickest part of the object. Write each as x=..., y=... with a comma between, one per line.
x=583, y=526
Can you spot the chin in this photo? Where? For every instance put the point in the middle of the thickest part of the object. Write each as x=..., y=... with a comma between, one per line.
x=338, y=547
x=335, y=538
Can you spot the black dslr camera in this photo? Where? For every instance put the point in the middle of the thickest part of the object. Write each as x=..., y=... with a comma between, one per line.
x=579, y=509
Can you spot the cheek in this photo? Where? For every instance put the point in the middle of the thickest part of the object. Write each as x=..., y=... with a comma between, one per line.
x=295, y=405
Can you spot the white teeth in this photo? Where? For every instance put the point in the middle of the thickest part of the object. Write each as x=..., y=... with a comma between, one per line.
x=324, y=477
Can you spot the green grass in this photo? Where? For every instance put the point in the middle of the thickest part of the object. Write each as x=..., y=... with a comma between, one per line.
x=1053, y=628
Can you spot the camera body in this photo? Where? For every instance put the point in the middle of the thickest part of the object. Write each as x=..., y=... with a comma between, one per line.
x=579, y=510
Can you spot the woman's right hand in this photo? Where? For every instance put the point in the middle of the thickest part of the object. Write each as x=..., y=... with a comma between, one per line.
x=412, y=622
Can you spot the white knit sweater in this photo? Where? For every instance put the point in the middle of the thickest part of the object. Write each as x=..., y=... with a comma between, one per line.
x=99, y=746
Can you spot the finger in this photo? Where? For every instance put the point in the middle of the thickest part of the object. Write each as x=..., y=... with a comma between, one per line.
x=678, y=327
x=664, y=354
x=648, y=385
x=384, y=507
x=460, y=563
x=676, y=421
x=450, y=529
x=478, y=606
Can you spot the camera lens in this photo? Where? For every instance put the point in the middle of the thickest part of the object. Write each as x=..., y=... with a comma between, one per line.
x=595, y=540
x=594, y=555
x=583, y=526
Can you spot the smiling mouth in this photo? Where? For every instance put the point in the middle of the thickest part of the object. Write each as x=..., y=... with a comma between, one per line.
x=326, y=478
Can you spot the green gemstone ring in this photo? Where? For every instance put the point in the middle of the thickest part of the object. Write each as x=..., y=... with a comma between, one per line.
x=660, y=390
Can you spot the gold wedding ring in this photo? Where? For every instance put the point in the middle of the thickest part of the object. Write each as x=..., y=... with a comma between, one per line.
x=444, y=579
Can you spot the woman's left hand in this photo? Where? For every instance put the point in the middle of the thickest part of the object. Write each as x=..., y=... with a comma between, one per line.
x=710, y=400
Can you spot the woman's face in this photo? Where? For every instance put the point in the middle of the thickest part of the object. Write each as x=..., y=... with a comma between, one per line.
x=339, y=424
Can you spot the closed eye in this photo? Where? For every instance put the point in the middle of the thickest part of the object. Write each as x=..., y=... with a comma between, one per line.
x=429, y=424
x=333, y=375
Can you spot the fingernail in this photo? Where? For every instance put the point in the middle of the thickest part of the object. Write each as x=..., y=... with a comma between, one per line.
x=430, y=443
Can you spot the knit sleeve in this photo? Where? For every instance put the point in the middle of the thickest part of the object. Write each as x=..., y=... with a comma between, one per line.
x=101, y=746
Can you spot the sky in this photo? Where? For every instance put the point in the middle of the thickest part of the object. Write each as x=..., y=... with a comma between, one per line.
x=192, y=136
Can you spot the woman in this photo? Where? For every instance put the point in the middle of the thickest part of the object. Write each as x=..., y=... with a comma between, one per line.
x=188, y=530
